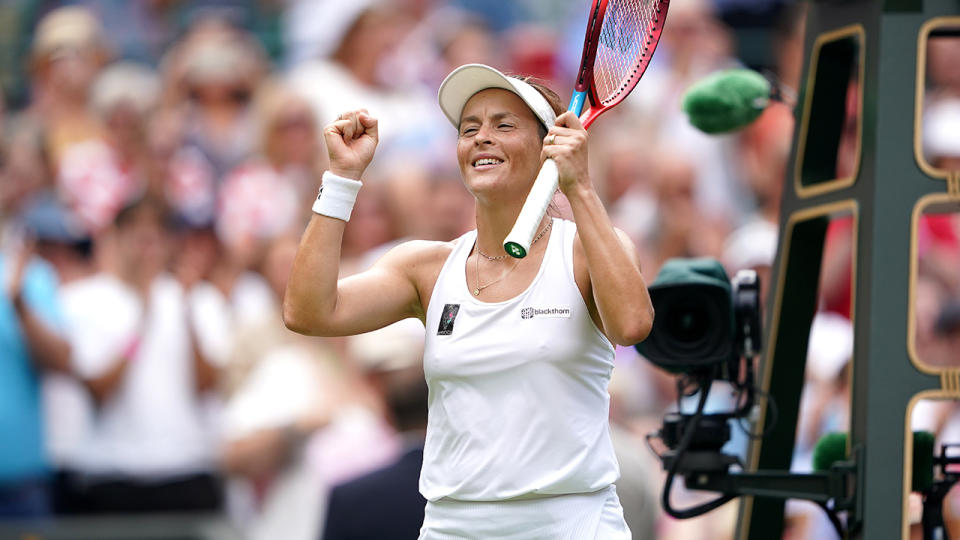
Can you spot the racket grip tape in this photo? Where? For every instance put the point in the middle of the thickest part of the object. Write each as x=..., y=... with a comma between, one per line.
x=517, y=243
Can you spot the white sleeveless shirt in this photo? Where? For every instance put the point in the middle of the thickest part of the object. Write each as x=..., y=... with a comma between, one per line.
x=518, y=402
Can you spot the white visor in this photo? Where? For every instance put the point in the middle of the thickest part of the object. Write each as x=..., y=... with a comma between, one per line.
x=465, y=81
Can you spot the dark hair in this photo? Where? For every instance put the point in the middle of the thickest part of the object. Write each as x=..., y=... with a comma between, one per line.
x=554, y=101
x=948, y=320
x=407, y=397
x=152, y=206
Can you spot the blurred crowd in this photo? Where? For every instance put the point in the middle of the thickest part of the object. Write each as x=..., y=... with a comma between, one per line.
x=936, y=297
x=158, y=160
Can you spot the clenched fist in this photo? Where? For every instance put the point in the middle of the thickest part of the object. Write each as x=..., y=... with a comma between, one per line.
x=351, y=141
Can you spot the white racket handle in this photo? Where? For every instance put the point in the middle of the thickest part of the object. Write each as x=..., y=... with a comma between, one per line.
x=517, y=243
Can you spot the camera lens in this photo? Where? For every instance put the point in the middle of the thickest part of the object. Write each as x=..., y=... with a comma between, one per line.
x=687, y=322
x=692, y=327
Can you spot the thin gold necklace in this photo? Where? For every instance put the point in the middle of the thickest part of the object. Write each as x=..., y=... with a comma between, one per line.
x=491, y=258
x=479, y=287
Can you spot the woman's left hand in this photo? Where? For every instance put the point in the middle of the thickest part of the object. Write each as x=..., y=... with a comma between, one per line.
x=566, y=144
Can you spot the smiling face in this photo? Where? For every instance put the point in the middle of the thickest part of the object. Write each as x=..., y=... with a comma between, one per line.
x=498, y=147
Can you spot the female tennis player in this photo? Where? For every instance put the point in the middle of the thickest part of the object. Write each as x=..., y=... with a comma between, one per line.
x=518, y=351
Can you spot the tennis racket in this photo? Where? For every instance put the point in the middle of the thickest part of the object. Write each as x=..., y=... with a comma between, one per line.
x=621, y=38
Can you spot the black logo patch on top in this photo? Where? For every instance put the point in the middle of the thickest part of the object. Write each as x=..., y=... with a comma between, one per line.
x=447, y=318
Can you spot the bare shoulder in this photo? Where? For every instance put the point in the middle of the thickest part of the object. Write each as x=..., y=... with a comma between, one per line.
x=419, y=260
x=624, y=238
x=418, y=256
x=580, y=258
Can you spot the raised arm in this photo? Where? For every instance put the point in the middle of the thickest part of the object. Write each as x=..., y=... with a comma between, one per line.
x=47, y=348
x=316, y=302
x=605, y=258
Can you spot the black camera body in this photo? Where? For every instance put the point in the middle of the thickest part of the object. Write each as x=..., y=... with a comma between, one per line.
x=703, y=320
x=705, y=324
x=713, y=431
x=708, y=329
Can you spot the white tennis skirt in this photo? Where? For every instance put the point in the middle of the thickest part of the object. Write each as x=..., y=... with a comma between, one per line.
x=580, y=516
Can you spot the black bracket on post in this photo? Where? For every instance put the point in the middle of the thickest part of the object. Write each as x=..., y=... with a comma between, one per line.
x=840, y=485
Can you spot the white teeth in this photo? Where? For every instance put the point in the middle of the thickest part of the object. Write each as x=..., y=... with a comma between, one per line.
x=487, y=161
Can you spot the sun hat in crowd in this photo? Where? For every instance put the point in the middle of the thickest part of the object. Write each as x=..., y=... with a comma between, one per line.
x=465, y=81
x=47, y=219
x=751, y=245
x=125, y=83
x=394, y=347
x=67, y=28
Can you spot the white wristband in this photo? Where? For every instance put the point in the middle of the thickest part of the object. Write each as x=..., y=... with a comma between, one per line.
x=337, y=195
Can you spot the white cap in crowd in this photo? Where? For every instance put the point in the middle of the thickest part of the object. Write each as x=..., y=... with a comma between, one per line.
x=750, y=246
x=831, y=345
x=941, y=128
x=394, y=347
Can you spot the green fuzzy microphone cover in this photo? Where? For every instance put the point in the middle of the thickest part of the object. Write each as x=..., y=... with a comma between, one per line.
x=726, y=100
x=830, y=449
x=922, y=477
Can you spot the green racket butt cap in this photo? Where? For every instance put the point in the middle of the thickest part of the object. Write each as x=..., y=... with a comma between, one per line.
x=515, y=250
x=727, y=100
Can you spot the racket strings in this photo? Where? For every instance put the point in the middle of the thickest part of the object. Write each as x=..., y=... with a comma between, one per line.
x=624, y=45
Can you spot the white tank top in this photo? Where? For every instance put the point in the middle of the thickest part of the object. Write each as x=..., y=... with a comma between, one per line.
x=518, y=401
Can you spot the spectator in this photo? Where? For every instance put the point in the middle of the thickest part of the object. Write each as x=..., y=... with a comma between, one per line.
x=29, y=345
x=25, y=168
x=638, y=495
x=762, y=154
x=67, y=405
x=626, y=179
x=462, y=39
x=681, y=230
x=68, y=52
x=928, y=295
x=941, y=123
x=259, y=202
x=376, y=219
x=210, y=77
x=943, y=73
x=346, y=75
x=947, y=328
x=386, y=503
x=152, y=447
x=100, y=176
x=753, y=246
x=225, y=293
x=788, y=44
x=279, y=390
x=295, y=423
x=429, y=201
x=262, y=198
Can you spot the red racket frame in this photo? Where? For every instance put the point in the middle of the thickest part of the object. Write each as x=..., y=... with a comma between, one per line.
x=585, y=80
